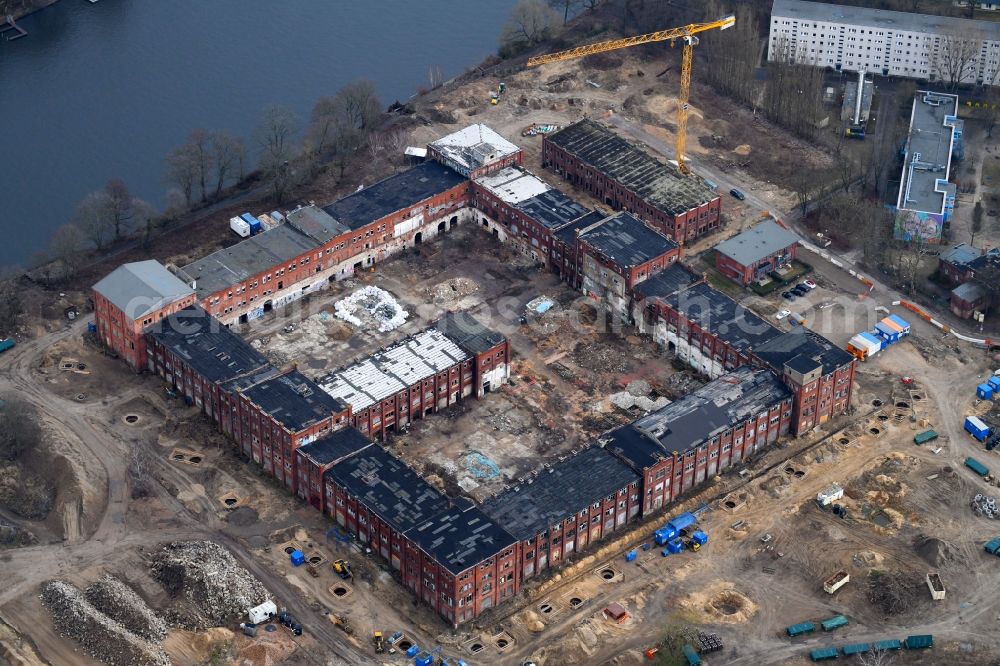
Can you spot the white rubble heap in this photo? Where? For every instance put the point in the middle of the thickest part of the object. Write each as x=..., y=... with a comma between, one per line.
x=379, y=304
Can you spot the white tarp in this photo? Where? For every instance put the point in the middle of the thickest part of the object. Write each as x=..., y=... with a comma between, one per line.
x=378, y=303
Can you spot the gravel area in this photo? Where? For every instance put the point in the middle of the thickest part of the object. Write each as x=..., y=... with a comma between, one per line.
x=120, y=602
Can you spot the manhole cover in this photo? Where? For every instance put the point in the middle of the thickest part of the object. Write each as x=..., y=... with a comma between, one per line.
x=81, y=396
x=844, y=440
x=883, y=417
x=607, y=574
x=229, y=501
x=315, y=559
x=195, y=459
x=289, y=550
x=874, y=431
x=545, y=608
x=502, y=643
x=131, y=419
x=476, y=647
x=404, y=645
x=340, y=591
x=902, y=404
x=876, y=403
x=576, y=602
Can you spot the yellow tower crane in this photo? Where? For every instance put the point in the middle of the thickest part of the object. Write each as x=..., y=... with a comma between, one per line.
x=685, y=33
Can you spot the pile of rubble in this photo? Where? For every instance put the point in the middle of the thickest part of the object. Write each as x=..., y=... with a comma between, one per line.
x=378, y=303
x=209, y=576
x=120, y=602
x=985, y=505
x=100, y=636
x=636, y=394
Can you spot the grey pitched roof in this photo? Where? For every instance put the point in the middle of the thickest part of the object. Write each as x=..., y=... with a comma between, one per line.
x=970, y=292
x=461, y=537
x=141, y=287
x=626, y=240
x=758, y=242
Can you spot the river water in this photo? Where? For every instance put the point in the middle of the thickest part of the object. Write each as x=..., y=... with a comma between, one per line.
x=105, y=90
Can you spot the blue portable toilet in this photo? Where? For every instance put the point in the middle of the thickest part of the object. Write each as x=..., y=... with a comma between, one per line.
x=699, y=538
x=412, y=652
x=631, y=555
x=984, y=392
x=994, y=383
x=297, y=558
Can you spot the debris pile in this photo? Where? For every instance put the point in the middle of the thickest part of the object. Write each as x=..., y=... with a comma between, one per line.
x=120, y=602
x=99, y=635
x=985, y=505
x=378, y=303
x=453, y=289
x=208, y=575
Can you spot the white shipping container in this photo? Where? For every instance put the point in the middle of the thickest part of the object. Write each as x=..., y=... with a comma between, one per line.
x=240, y=226
x=262, y=613
x=830, y=495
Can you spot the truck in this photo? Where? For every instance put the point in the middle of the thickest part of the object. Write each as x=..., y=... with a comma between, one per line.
x=924, y=437
x=975, y=427
x=6, y=343
x=379, y=642
x=976, y=466
x=343, y=569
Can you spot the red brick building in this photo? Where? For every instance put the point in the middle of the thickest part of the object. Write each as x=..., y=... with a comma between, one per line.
x=753, y=254
x=316, y=457
x=819, y=374
x=680, y=446
x=422, y=374
x=475, y=151
x=130, y=299
x=278, y=414
x=596, y=160
x=565, y=506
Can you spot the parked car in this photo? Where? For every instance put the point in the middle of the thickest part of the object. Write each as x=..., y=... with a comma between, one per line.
x=800, y=290
x=810, y=284
x=788, y=295
x=781, y=314
x=738, y=194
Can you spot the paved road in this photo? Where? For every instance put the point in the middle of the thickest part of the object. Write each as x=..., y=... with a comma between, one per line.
x=78, y=426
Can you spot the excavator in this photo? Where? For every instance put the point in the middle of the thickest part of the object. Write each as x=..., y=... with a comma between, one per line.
x=688, y=36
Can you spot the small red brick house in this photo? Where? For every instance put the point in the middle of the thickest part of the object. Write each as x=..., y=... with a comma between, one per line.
x=752, y=254
x=475, y=151
x=130, y=299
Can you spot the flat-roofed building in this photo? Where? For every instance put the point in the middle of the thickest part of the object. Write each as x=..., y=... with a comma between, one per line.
x=475, y=151
x=751, y=255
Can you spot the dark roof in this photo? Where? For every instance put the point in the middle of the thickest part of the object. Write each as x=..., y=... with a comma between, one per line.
x=552, y=209
x=336, y=446
x=731, y=322
x=208, y=347
x=559, y=491
x=669, y=281
x=627, y=240
x=246, y=381
x=960, y=254
x=801, y=341
x=465, y=331
x=293, y=400
x=697, y=417
x=802, y=364
x=315, y=223
x=248, y=258
x=567, y=234
x=387, y=486
x=397, y=192
x=662, y=186
x=460, y=537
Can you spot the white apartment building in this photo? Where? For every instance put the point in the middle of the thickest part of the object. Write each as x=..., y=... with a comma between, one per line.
x=920, y=46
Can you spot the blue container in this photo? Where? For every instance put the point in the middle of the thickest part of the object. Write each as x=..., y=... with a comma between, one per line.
x=631, y=555
x=297, y=558
x=6, y=343
x=984, y=392
x=699, y=538
x=976, y=466
x=663, y=535
x=888, y=644
x=994, y=383
x=682, y=521
x=91, y=327
x=975, y=426
x=412, y=652
x=665, y=552
x=423, y=659
x=675, y=546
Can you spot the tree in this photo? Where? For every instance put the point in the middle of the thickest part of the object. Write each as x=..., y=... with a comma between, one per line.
x=977, y=222
x=679, y=628
x=66, y=245
x=119, y=207
x=531, y=22
x=182, y=170
x=567, y=7
x=92, y=218
x=953, y=61
x=275, y=139
x=145, y=220
x=227, y=157
x=202, y=154
x=19, y=428
x=876, y=657
x=345, y=121
x=732, y=55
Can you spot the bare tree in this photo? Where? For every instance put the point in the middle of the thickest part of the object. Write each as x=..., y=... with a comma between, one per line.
x=566, y=6
x=732, y=54
x=435, y=77
x=144, y=216
x=182, y=170
x=275, y=135
x=227, y=158
x=11, y=307
x=531, y=22
x=19, y=428
x=343, y=122
x=202, y=154
x=66, y=245
x=375, y=145
x=119, y=201
x=92, y=218
x=976, y=224
x=953, y=61
x=876, y=657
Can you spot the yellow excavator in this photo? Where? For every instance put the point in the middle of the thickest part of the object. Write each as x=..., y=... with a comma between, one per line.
x=687, y=34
